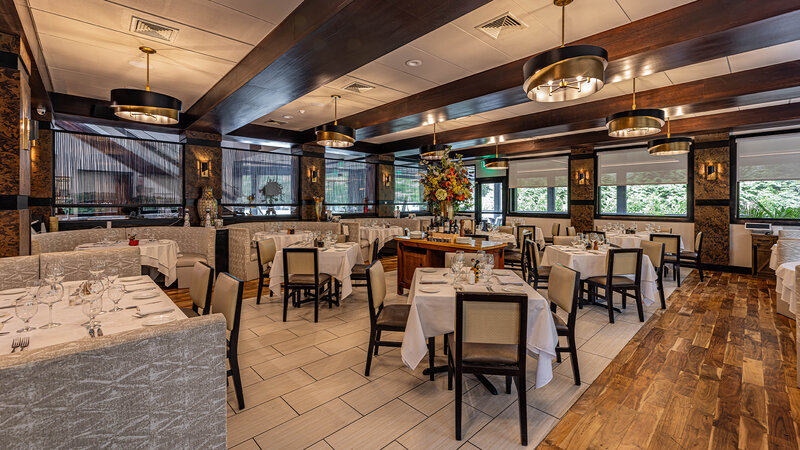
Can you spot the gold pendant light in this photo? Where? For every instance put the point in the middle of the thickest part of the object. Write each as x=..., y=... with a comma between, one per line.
x=496, y=163
x=669, y=145
x=335, y=135
x=435, y=152
x=565, y=73
x=145, y=105
x=635, y=122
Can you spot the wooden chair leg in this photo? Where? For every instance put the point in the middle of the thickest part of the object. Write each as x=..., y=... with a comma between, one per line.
x=573, y=353
x=624, y=299
x=458, y=403
x=285, y=302
x=377, y=340
x=523, y=409
x=369, y=350
x=639, y=307
x=431, y=354
x=508, y=384
x=610, y=303
x=661, y=292
x=678, y=272
x=237, y=379
x=316, y=304
x=260, y=286
x=700, y=268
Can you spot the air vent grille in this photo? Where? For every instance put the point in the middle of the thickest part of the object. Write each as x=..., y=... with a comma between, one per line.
x=502, y=25
x=358, y=88
x=275, y=122
x=152, y=29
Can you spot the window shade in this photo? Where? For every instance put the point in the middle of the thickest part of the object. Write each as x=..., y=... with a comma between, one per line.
x=637, y=166
x=541, y=172
x=767, y=158
x=349, y=182
x=245, y=173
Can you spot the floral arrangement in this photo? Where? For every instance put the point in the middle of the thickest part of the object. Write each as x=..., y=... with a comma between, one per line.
x=272, y=190
x=446, y=181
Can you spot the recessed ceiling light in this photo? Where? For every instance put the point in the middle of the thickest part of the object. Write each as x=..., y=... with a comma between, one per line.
x=288, y=116
x=414, y=62
x=301, y=111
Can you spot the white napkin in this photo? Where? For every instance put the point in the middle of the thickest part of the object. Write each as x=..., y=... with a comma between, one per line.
x=147, y=310
x=510, y=279
x=139, y=288
x=433, y=279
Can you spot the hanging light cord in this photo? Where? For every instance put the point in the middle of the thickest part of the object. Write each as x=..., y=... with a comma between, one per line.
x=434, y=133
x=563, y=9
x=634, y=93
x=147, y=86
x=335, y=110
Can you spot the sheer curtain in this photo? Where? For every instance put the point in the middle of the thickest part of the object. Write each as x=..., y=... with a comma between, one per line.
x=349, y=183
x=408, y=191
x=104, y=171
x=246, y=173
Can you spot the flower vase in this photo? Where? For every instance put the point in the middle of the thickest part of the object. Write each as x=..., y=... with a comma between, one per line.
x=448, y=211
x=207, y=202
x=318, y=207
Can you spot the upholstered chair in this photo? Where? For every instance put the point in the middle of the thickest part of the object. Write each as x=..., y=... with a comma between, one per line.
x=554, y=231
x=620, y=265
x=227, y=300
x=265, y=251
x=200, y=290
x=694, y=258
x=571, y=231
x=359, y=271
x=301, y=274
x=655, y=251
x=563, y=240
x=563, y=292
x=537, y=275
x=672, y=249
x=506, y=229
x=382, y=317
x=514, y=258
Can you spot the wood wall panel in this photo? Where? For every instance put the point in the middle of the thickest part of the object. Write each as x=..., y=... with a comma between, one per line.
x=9, y=132
x=42, y=166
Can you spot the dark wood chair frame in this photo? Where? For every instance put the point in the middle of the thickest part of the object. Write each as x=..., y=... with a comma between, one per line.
x=261, y=275
x=609, y=288
x=692, y=261
x=209, y=291
x=572, y=347
x=233, y=344
x=292, y=290
x=676, y=260
x=362, y=276
x=532, y=269
x=375, y=341
x=660, y=279
x=521, y=264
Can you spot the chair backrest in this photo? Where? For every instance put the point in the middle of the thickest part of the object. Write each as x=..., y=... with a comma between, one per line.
x=563, y=240
x=300, y=261
x=375, y=245
x=655, y=251
x=528, y=228
x=77, y=264
x=376, y=288
x=562, y=290
x=571, y=231
x=556, y=228
x=265, y=250
x=201, y=287
x=698, y=242
x=672, y=242
x=506, y=229
x=227, y=300
x=533, y=258
x=18, y=271
x=788, y=234
x=521, y=236
x=624, y=261
x=491, y=318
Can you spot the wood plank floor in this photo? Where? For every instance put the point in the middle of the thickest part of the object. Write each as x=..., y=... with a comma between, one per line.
x=717, y=369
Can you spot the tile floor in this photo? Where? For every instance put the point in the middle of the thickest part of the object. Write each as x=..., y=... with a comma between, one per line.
x=304, y=384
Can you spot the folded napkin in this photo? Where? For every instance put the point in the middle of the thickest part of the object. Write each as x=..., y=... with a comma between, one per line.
x=147, y=310
x=139, y=288
x=474, y=288
x=510, y=279
x=433, y=279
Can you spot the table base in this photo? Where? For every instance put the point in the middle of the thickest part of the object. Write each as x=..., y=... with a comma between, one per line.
x=484, y=381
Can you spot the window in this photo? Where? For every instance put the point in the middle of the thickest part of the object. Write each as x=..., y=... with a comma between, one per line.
x=633, y=182
x=539, y=185
x=408, y=191
x=768, y=176
x=110, y=176
x=469, y=205
x=349, y=187
x=259, y=183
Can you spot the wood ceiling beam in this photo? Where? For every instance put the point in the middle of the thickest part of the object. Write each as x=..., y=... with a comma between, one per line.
x=320, y=41
x=689, y=34
x=761, y=85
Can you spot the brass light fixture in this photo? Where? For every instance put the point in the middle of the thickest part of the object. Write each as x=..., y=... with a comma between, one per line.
x=145, y=105
x=565, y=73
x=669, y=145
x=496, y=163
x=335, y=135
x=434, y=152
x=635, y=122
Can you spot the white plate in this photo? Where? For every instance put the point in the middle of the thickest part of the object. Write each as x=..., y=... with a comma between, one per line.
x=345, y=246
x=158, y=319
x=427, y=270
x=129, y=279
x=16, y=291
x=429, y=289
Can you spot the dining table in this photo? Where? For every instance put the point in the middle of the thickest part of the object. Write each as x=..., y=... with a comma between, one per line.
x=160, y=254
x=625, y=240
x=510, y=239
x=785, y=283
x=433, y=308
x=592, y=263
x=337, y=261
x=382, y=233
x=282, y=239
x=142, y=297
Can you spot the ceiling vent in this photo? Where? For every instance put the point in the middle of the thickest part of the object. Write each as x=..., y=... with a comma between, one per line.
x=358, y=88
x=275, y=122
x=153, y=30
x=501, y=26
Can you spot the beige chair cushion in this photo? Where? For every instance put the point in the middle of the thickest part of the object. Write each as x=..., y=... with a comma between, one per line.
x=300, y=262
x=555, y=229
x=624, y=263
x=307, y=279
x=377, y=284
x=653, y=251
x=267, y=249
x=561, y=287
x=224, y=298
x=490, y=322
x=493, y=354
x=189, y=259
x=571, y=231
x=198, y=286
x=394, y=315
x=616, y=281
x=672, y=244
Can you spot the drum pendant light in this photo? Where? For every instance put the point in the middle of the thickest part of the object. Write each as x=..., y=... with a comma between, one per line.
x=335, y=135
x=434, y=152
x=635, y=122
x=669, y=145
x=565, y=73
x=496, y=163
x=145, y=105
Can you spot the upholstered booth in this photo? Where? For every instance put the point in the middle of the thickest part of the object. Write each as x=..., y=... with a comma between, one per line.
x=66, y=241
x=77, y=264
x=153, y=387
x=18, y=271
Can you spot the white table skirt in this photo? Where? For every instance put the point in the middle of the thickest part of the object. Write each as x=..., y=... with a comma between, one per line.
x=281, y=239
x=336, y=263
x=161, y=254
x=773, y=257
x=383, y=234
x=71, y=318
x=434, y=315
x=784, y=284
x=631, y=240
x=593, y=264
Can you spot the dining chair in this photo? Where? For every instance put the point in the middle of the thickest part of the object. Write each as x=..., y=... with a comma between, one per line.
x=490, y=337
x=514, y=258
x=533, y=259
x=200, y=288
x=227, y=300
x=571, y=231
x=563, y=240
x=563, y=291
x=672, y=249
x=529, y=228
x=265, y=252
x=694, y=258
x=359, y=271
x=301, y=274
x=382, y=317
x=655, y=251
x=506, y=229
x=554, y=231
x=620, y=265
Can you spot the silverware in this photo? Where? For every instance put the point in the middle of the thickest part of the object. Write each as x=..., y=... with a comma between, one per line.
x=3, y=333
x=99, y=331
x=7, y=319
x=131, y=307
x=24, y=343
x=15, y=344
x=91, y=332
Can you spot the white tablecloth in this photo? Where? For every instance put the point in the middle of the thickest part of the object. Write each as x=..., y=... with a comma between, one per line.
x=281, y=239
x=784, y=284
x=383, y=234
x=161, y=254
x=593, y=264
x=71, y=317
x=335, y=262
x=434, y=315
x=773, y=257
x=630, y=240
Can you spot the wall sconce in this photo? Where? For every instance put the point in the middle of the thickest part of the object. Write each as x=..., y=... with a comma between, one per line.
x=387, y=179
x=713, y=170
x=313, y=174
x=582, y=176
x=204, y=169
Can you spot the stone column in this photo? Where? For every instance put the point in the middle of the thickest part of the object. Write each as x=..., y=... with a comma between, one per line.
x=384, y=173
x=15, y=153
x=201, y=147
x=581, y=187
x=312, y=178
x=712, y=197
x=40, y=202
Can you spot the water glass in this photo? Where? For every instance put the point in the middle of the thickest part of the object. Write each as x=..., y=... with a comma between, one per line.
x=112, y=273
x=92, y=306
x=97, y=266
x=50, y=296
x=25, y=308
x=115, y=294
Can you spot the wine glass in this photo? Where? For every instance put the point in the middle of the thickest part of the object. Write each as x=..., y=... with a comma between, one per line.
x=488, y=265
x=96, y=267
x=50, y=296
x=112, y=274
x=25, y=308
x=33, y=286
x=115, y=294
x=92, y=306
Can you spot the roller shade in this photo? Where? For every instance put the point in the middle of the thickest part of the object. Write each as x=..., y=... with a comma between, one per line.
x=637, y=166
x=768, y=158
x=540, y=172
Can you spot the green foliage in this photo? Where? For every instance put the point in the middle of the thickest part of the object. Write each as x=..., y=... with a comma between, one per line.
x=646, y=200
x=535, y=199
x=778, y=199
